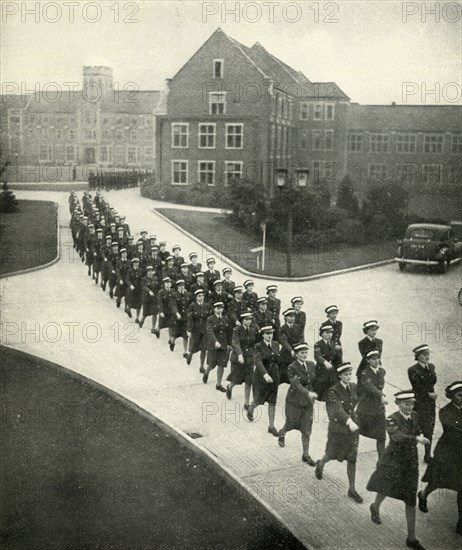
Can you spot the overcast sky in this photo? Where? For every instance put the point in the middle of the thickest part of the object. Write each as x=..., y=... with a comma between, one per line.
x=368, y=48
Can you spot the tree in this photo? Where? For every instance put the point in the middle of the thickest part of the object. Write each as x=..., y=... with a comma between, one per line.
x=8, y=202
x=346, y=199
x=246, y=200
x=387, y=199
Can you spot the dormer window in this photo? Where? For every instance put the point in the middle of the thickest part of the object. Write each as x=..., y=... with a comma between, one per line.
x=218, y=68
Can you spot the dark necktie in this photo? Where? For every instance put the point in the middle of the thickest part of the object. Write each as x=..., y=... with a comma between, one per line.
x=348, y=388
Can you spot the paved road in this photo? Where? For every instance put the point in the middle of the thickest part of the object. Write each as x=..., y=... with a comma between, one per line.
x=70, y=321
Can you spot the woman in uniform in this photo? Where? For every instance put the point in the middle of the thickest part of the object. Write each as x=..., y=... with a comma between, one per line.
x=265, y=382
x=397, y=472
x=150, y=287
x=369, y=343
x=133, y=297
x=300, y=399
x=423, y=379
x=343, y=432
x=371, y=406
x=166, y=300
x=445, y=470
x=196, y=327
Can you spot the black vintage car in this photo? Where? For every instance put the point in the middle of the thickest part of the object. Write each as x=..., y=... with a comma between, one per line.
x=429, y=244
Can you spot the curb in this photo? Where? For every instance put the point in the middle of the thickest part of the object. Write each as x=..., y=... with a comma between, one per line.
x=260, y=276
x=181, y=437
x=48, y=264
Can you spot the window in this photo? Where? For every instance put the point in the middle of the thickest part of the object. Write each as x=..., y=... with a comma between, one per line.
x=456, y=144
x=103, y=154
x=106, y=121
x=431, y=173
x=148, y=121
x=324, y=171
x=379, y=143
x=59, y=134
x=452, y=174
x=234, y=136
x=317, y=112
x=44, y=152
x=105, y=134
x=355, y=143
x=179, y=172
x=134, y=121
x=131, y=154
x=119, y=153
x=317, y=140
x=304, y=140
x=433, y=143
x=207, y=136
x=148, y=154
x=119, y=135
x=70, y=153
x=72, y=135
x=328, y=140
x=217, y=103
x=233, y=170
x=206, y=172
x=377, y=172
x=406, y=172
x=329, y=111
x=304, y=110
x=405, y=143
x=133, y=135
x=218, y=68
x=180, y=135
x=149, y=136
x=59, y=153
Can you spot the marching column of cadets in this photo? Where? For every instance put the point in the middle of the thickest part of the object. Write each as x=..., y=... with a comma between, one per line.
x=225, y=322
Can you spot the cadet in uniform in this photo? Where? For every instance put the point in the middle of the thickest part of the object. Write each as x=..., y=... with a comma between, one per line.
x=98, y=252
x=265, y=381
x=90, y=238
x=300, y=400
x=163, y=252
x=369, y=343
x=422, y=376
x=445, y=470
x=327, y=360
x=200, y=284
x=274, y=304
x=300, y=316
x=198, y=313
x=343, y=432
x=211, y=275
x=228, y=284
x=217, y=294
x=236, y=307
x=156, y=262
x=144, y=241
x=166, y=300
x=371, y=406
x=169, y=269
x=289, y=335
x=397, y=472
x=177, y=259
x=242, y=357
x=150, y=288
x=219, y=333
x=182, y=301
x=122, y=266
x=262, y=317
x=133, y=296
x=249, y=297
x=194, y=266
x=187, y=277
x=106, y=253
x=332, y=312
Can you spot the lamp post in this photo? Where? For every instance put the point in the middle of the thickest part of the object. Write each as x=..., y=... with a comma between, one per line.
x=284, y=180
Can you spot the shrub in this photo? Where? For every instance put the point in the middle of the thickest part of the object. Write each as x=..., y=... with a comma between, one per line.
x=8, y=202
x=378, y=228
x=350, y=231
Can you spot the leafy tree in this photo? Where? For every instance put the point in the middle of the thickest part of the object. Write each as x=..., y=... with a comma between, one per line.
x=346, y=198
x=246, y=200
x=8, y=202
x=387, y=199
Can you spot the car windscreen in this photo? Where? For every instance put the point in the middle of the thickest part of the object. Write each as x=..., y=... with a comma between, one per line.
x=420, y=234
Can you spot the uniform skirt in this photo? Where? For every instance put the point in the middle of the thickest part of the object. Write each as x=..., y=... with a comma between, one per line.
x=167, y=321
x=445, y=470
x=150, y=306
x=180, y=329
x=134, y=298
x=241, y=373
x=342, y=446
x=198, y=342
x=298, y=418
x=264, y=392
x=426, y=414
x=372, y=426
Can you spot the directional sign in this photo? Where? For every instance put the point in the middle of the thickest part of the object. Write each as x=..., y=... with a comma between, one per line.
x=257, y=249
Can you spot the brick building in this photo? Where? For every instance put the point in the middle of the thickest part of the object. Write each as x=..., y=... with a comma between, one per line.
x=239, y=111
x=99, y=124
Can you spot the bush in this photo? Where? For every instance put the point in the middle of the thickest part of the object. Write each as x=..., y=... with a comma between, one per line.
x=8, y=202
x=379, y=228
x=346, y=198
x=350, y=231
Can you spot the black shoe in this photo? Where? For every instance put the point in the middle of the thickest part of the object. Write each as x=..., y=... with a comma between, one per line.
x=354, y=495
x=188, y=358
x=201, y=370
x=250, y=414
x=281, y=440
x=141, y=323
x=318, y=470
x=118, y=303
x=229, y=391
x=102, y=286
x=153, y=331
x=423, y=507
x=111, y=294
x=427, y=459
x=157, y=333
x=205, y=378
x=272, y=430
x=171, y=346
x=219, y=387
x=246, y=407
x=137, y=321
x=128, y=312
x=414, y=544
x=308, y=460
x=375, y=516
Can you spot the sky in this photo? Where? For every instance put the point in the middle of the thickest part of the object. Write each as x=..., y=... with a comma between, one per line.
x=372, y=50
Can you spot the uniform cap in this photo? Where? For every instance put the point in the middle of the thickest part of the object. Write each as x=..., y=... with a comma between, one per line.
x=139, y=242
x=199, y=274
x=143, y=231
x=419, y=349
x=153, y=237
x=112, y=224
x=326, y=327
x=271, y=287
x=198, y=291
x=218, y=304
x=166, y=279
x=302, y=346
x=156, y=248
x=120, y=229
x=404, y=395
x=162, y=243
x=296, y=299
x=237, y=289
x=217, y=282
x=344, y=367
x=131, y=238
x=115, y=243
x=262, y=300
x=329, y=309
x=99, y=230
x=123, y=250
x=193, y=255
x=176, y=247
x=288, y=311
x=169, y=258
x=226, y=270
x=373, y=353
x=107, y=237
x=149, y=268
x=180, y=282
x=452, y=388
x=267, y=328
x=184, y=264
x=370, y=324
x=210, y=260
x=247, y=315
x=135, y=260
x=90, y=225
x=248, y=282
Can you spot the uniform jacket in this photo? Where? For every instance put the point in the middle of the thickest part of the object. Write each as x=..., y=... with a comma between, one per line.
x=261, y=319
x=372, y=384
x=340, y=406
x=288, y=337
x=149, y=284
x=218, y=330
x=403, y=434
x=182, y=301
x=338, y=329
x=300, y=319
x=134, y=277
x=267, y=358
x=228, y=287
x=122, y=268
x=166, y=300
x=365, y=346
x=325, y=351
x=274, y=306
x=195, y=268
x=301, y=382
x=170, y=272
x=243, y=342
x=250, y=300
x=197, y=318
x=210, y=277
x=188, y=279
x=204, y=287
x=177, y=261
x=157, y=265
x=423, y=382
x=234, y=310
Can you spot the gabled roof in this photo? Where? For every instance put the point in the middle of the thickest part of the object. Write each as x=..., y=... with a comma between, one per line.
x=418, y=118
x=66, y=102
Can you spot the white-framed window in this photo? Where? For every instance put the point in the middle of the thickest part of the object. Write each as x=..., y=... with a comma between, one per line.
x=324, y=171
x=379, y=143
x=234, y=136
x=279, y=144
x=206, y=138
x=131, y=154
x=433, y=143
x=119, y=135
x=217, y=103
x=206, y=172
x=431, y=173
x=72, y=135
x=317, y=111
x=218, y=68
x=103, y=154
x=456, y=144
x=304, y=110
x=44, y=152
x=105, y=134
x=180, y=135
x=329, y=111
x=180, y=169
x=59, y=153
x=328, y=140
x=134, y=121
x=70, y=152
x=233, y=170
x=378, y=172
x=452, y=174
x=303, y=140
x=405, y=143
x=355, y=143
x=317, y=140
x=133, y=135
x=406, y=172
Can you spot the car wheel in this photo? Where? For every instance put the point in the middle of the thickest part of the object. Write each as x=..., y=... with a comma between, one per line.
x=402, y=266
x=460, y=296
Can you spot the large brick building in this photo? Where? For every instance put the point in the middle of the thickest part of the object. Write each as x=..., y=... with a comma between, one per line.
x=239, y=111
x=99, y=124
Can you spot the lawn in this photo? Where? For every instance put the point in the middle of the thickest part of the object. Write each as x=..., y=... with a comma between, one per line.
x=28, y=238
x=80, y=469
x=214, y=231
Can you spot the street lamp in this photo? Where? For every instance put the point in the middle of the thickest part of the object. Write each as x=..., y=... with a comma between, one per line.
x=283, y=180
